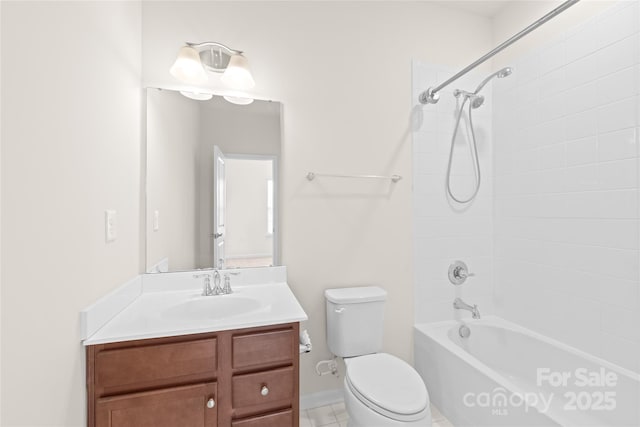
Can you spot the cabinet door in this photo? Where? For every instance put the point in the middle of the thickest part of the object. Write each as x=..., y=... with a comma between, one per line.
x=173, y=407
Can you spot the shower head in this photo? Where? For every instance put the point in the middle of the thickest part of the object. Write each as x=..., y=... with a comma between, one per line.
x=475, y=100
x=504, y=72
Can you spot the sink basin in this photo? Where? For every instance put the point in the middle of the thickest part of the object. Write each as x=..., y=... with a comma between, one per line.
x=212, y=308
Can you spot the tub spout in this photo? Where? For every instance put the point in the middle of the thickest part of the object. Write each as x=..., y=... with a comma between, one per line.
x=458, y=304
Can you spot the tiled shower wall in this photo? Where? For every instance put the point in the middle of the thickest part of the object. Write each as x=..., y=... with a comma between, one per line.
x=554, y=233
x=566, y=195
x=443, y=232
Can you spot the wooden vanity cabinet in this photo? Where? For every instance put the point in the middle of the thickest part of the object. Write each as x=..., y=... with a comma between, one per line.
x=239, y=378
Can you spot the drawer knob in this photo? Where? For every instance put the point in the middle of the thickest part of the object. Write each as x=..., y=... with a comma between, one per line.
x=264, y=390
x=211, y=403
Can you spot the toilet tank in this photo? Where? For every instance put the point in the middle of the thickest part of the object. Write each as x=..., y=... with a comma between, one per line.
x=355, y=320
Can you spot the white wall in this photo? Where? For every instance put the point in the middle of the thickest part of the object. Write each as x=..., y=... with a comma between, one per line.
x=343, y=73
x=173, y=143
x=241, y=129
x=566, y=187
x=71, y=113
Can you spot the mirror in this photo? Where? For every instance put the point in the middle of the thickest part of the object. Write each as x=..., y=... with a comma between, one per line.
x=211, y=183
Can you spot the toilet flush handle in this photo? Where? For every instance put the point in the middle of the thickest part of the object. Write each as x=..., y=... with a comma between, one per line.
x=339, y=310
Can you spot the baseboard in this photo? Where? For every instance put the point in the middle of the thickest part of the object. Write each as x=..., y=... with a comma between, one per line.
x=321, y=398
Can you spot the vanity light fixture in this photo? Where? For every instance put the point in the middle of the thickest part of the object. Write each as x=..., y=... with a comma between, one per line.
x=195, y=59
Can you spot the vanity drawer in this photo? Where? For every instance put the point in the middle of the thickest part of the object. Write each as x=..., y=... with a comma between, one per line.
x=262, y=391
x=279, y=419
x=263, y=348
x=140, y=367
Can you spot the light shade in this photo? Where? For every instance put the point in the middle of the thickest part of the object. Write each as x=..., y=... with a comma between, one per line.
x=238, y=100
x=188, y=67
x=198, y=96
x=237, y=74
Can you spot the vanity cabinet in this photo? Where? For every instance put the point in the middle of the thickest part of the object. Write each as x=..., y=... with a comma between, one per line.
x=238, y=378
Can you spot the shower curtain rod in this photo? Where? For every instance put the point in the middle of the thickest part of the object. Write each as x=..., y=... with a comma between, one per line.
x=431, y=96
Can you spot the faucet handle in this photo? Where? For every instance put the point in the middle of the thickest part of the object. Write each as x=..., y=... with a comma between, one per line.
x=206, y=290
x=227, y=282
x=227, y=285
x=458, y=273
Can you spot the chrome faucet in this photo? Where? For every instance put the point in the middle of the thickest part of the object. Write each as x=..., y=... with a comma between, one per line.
x=217, y=290
x=458, y=304
x=207, y=291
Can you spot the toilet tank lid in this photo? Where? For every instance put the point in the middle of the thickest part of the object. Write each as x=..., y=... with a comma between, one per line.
x=355, y=295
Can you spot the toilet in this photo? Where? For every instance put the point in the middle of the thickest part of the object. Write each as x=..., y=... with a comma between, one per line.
x=379, y=389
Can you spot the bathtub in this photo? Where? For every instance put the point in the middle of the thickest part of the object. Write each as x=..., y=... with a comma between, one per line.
x=505, y=375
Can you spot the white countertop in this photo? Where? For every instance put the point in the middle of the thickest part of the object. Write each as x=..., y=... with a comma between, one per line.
x=181, y=312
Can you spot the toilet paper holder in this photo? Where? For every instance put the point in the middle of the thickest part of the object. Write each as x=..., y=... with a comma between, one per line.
x=305, y=342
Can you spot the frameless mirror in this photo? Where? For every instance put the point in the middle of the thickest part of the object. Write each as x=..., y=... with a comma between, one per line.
x=211, y=183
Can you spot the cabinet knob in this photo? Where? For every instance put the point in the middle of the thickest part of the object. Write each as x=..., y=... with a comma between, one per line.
x=211, y=403
x=264, y=390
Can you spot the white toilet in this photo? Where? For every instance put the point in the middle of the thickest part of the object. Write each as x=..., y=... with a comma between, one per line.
x=379, y=389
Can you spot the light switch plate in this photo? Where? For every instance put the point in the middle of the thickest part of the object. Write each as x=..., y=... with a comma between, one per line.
x=110, y=225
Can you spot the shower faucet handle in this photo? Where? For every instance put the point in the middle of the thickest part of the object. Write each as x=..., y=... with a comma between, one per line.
x=458, y=273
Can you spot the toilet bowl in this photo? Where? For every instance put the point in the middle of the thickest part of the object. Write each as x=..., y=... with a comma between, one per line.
x=382, y=390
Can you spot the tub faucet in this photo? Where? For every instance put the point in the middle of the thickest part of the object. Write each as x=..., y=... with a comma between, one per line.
x=461, y=305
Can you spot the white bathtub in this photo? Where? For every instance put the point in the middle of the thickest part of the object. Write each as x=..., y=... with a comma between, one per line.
x=506, y=375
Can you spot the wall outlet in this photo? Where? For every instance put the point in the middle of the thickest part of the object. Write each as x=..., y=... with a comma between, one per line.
x=110, y=225
x=156, y=220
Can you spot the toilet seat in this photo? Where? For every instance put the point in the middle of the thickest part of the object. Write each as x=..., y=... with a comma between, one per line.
x=388, y=385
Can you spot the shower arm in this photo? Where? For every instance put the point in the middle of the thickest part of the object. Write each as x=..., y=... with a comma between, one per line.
x=431, y=95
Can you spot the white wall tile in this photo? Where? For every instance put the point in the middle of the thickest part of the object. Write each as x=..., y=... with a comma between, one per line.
x=617, y=175
x=552, y=107
x=582, y=71
x=617, y=145
x=551, y=83
x=582, y=98
x=581, y=178
x=618, y=56
x=581, y=41
x=555, y=56
x=618, y=115
x=551, y=132
x=582, y=151
x=617, y=86
x=581, y=125
x=554, y=156
x=618, y=25
x=621, y=322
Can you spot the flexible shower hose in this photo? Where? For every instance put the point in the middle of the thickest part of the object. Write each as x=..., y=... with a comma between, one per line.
x=474, y=152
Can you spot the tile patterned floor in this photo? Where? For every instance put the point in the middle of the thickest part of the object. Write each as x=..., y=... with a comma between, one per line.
x=336, y=416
